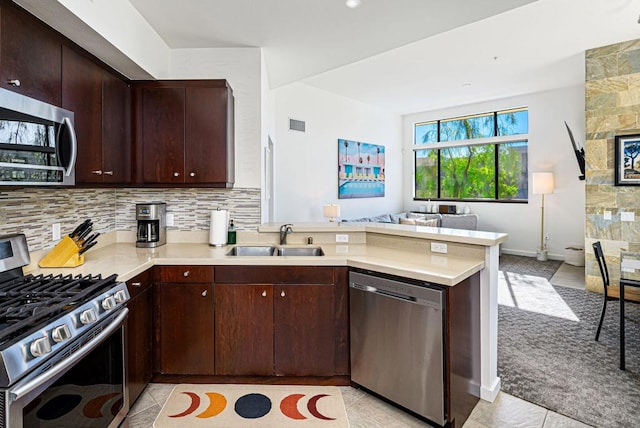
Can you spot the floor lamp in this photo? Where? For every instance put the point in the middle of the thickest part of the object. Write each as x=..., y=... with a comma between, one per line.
x=542, y=185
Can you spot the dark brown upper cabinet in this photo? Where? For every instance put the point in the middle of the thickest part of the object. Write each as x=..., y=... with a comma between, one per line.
x=116, y=130
x=82, y=94
x=101, y=103
x=30, y=52
x=184, y=133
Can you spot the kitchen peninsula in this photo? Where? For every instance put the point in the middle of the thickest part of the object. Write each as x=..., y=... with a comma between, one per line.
x=387, y=248
x=398, y=250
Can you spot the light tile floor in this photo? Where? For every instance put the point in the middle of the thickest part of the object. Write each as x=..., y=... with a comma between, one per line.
x=366, y=411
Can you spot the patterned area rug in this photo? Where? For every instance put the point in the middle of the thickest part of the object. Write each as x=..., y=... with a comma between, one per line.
x=547, y=353
x=246, y=406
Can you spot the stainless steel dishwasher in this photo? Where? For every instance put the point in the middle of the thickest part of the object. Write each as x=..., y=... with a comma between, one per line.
x=397, y=342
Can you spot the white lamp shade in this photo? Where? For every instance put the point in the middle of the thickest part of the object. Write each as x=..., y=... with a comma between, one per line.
x=331, y=210
x=542, y=183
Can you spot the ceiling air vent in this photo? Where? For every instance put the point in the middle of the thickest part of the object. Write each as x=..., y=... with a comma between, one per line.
x=296, y=125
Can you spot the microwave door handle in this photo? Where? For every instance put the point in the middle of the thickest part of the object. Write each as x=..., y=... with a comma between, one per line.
x=74, y=146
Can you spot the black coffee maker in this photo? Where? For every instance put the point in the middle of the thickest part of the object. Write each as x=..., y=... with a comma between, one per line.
x=152, y=226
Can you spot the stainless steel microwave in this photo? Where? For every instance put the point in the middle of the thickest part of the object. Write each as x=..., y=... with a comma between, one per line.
x=38, y=145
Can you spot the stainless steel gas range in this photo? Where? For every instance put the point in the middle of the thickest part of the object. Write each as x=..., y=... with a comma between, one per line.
x=62, y=360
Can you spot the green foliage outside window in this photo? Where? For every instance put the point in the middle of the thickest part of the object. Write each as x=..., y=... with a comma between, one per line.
x=467, y=172
x=474, y=171
x=513, y=172
x=426, y=162
x=467, y=128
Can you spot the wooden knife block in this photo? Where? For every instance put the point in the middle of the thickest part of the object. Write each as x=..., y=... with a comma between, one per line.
x=64, y=254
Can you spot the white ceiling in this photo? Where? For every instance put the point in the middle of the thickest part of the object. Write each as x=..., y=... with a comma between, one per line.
x=301, y=38
x=406, y=55
x=401, y=55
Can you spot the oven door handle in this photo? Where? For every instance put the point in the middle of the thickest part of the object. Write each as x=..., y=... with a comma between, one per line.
x=20, y=391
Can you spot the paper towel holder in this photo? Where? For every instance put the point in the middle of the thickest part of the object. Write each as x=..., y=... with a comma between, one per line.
x=218, y=228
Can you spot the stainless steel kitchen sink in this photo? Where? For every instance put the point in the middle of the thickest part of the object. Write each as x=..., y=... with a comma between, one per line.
x=300, y=251
x=271, y=250
x=252, y=250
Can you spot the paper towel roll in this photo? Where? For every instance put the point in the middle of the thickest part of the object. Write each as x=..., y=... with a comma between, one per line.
x=218, y=228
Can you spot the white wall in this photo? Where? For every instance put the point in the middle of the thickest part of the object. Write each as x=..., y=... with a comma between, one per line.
x=113, y=31
x=306, y=173
x=549, y=150
x=242, y=69
x=268, y=132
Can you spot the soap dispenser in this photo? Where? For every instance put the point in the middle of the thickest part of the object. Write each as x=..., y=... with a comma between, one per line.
x=231, y=233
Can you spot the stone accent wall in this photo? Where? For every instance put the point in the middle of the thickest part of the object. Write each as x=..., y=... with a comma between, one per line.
x=32, y=211
x=612, y=106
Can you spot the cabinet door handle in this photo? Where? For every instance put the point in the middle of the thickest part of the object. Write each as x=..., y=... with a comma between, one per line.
x=192, y=174
x=14, y=82
x=204, y=293
x=137, y=284
x=185, y=273
x=176, y=174
x=264, y=293
x=108, y=173
x=96, y=172
x=282, y=294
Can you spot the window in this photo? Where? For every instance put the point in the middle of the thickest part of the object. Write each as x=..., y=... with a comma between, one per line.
x=477, y=157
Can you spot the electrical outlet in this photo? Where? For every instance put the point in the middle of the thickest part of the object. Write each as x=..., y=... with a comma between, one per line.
x=55, y=231
x=170, y=219
x=342, y=238
x=439, y=247
x=607, y=215
x=627, y=216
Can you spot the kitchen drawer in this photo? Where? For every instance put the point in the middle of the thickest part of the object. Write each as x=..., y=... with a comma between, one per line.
x=140, y=283
x=186, y=274
x=274, y=275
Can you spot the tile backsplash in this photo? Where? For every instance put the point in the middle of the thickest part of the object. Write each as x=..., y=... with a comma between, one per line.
x=191, y=207
x=34, y=211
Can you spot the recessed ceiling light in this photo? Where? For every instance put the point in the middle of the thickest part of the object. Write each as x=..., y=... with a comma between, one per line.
x=352, y=3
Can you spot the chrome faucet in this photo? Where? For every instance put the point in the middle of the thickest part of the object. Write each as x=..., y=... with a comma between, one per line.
x=284, y=230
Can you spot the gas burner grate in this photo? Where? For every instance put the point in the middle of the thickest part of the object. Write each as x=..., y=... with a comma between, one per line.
x=27, y=301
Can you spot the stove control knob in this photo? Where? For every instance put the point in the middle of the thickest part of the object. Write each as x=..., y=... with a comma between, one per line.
x=88, y=316
x=120, y=296
x=39, y=347
x=61, y=333
x=108, y=303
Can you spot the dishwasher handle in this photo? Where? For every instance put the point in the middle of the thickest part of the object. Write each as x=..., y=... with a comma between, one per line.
x=392, y=295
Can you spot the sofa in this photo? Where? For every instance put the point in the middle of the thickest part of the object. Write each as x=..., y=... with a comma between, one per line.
x=451, y=221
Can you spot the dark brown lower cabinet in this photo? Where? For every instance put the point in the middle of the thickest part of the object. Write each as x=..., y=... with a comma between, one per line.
x=304, y=339
x=244, y=329
x=139, y=335
x=281, y=320
x=184, y=329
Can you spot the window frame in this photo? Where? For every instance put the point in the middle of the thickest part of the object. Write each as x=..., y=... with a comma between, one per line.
x=495, y=140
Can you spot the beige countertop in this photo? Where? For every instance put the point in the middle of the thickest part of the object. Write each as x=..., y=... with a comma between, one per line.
x=125, y=260
x=462, y=236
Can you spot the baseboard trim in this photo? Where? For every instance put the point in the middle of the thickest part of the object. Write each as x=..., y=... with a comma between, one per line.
x=490, y=394
x=529, y=254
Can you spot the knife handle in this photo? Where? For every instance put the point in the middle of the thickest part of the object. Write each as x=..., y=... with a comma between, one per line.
x=86, y=248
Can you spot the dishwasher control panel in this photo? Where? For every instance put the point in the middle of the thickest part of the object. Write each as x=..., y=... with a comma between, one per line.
x=423, y=295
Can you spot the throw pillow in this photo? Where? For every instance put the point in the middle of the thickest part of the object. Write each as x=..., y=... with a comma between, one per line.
x=431, y=222
x=408, y=221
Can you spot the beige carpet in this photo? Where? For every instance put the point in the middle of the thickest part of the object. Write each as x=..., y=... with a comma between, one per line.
x=246, y=406
x=569, y=276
